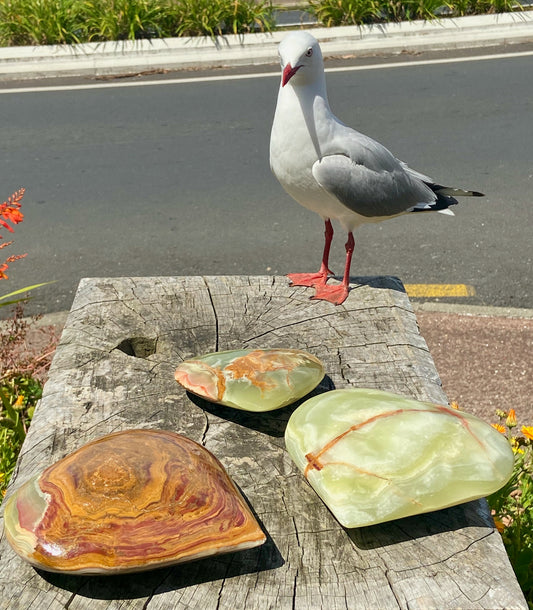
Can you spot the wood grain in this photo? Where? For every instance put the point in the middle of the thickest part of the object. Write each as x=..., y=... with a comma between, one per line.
x=114, y=369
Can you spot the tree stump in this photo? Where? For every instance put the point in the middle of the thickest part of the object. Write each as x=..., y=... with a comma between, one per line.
x=114, y=370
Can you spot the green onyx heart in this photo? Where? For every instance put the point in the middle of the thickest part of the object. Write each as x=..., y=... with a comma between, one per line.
x=252, y=380
x=374, y=456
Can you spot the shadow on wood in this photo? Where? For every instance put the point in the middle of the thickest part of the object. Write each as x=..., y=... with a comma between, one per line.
x=272, y=423
x=421, y=526
x=387, y=282
x=154, y=582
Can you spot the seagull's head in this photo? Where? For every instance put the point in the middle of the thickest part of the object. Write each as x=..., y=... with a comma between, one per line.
x=301, y=58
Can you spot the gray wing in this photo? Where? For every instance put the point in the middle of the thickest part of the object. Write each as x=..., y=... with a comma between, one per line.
x=367, y=178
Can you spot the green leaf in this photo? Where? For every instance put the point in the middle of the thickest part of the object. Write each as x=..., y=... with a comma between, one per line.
x=22, y=290
x=7, y=422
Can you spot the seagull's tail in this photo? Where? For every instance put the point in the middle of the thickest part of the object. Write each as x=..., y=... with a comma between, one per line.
x=446, y=197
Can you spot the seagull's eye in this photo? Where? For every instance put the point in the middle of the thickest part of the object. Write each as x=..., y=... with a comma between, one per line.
x=309, y=52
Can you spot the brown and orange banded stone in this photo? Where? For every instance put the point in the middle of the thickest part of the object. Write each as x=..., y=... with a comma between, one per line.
x=127, y=502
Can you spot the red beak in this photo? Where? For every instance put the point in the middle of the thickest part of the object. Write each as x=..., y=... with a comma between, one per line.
x=288, y=73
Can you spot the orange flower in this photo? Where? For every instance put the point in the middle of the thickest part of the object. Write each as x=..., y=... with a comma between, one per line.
x=510, y=422
x=15, y=257
x=4, y=224
x=499, y=427
x=3, y=275
x=454, y=405
x=13, y=214
x=527, y=431
x=13, y=201
x=10, y=210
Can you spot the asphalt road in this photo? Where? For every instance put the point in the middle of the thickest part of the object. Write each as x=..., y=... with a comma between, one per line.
x=173, y=179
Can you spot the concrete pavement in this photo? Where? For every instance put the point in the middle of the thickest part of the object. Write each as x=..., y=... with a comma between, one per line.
x=483, y=356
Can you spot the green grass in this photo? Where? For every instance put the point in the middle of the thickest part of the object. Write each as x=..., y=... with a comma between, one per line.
x=359, y=12
x=39, y=22
x=333, y=13
x=25, y=22
x=35, y=22
x=205, y=17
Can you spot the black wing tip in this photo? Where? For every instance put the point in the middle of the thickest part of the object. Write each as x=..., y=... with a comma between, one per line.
x=459, y=192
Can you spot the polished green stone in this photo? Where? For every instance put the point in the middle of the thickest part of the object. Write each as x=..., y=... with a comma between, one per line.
x=252, y=379
x=373, y=456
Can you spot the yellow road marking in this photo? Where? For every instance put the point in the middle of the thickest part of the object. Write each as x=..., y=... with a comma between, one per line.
x=439, y=290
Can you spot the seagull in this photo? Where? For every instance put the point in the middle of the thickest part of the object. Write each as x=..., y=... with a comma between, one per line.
x=334, y=170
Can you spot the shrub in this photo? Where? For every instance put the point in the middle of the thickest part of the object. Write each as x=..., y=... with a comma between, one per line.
x=23, y=371
x=407, y=10
x=126, y=19
x=18, y=396
x=10, y=212
x=512, y=505
x=332, y=13
x=359, y=12
x=24, y=22
x=480, y=7
x=207, y=18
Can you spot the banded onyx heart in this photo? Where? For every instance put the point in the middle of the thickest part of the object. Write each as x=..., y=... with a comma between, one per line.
x=252, y=380
x=127, y=502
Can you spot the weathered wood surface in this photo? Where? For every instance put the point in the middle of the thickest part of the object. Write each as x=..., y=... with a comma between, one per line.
x=113, y=370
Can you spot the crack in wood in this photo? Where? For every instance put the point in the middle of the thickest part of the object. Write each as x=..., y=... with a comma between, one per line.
x=342, y=365
x=110, y=417
x=219, y=598
x=91, y=304
x=392, y=587
x=294, y=587
x=282, y=327
x=156, y=588
x=71, y=599
x=444, y=560
x=214, y=312
x=124, y=302
x=475, y=600
x=205, y=430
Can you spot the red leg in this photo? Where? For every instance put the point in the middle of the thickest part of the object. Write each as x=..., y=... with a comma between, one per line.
x=338, y=294
x=321, y=277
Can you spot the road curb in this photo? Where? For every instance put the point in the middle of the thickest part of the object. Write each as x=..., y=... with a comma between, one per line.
x=123, y=57
x=472, y=310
